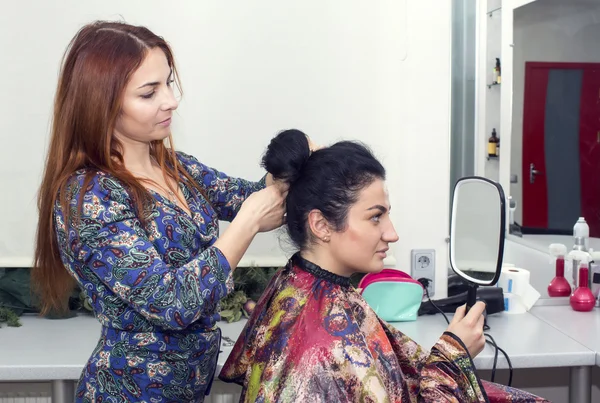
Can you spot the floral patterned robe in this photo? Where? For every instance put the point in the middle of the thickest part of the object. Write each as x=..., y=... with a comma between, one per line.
x=312, y=338
x=154, y=289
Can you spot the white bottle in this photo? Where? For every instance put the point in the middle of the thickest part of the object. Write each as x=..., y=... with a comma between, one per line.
x=581, y=235
x=512, y=206
x=575, y=258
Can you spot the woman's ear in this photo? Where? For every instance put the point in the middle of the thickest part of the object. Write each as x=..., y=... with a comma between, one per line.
x=319, y=226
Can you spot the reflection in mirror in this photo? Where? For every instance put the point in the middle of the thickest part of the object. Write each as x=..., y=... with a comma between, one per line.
x=555, y=136
x=477, y=230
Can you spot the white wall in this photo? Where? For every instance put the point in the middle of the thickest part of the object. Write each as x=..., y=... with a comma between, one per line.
x=547, y=32
x=418, y=150
x=335, y=70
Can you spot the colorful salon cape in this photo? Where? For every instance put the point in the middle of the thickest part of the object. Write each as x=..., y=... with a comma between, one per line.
x=155, y=289
x=312, y=338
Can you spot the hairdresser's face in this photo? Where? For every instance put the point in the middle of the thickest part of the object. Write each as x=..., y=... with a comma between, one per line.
x=363, y=245
x=148, y=102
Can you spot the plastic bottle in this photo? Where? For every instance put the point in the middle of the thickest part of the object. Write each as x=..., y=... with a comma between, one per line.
x=582, y=298
x=581, y=235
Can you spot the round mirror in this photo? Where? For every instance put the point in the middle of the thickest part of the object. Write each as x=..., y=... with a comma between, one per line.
x=477, y=230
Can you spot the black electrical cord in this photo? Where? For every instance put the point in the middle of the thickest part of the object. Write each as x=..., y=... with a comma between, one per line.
x=510, y=368
x=425, y=282
x=493, y=343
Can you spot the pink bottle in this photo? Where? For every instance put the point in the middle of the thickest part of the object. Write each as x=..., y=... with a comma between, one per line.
x=559, y=286
x=582, y=298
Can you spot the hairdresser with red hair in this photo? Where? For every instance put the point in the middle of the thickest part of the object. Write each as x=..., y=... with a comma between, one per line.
x=135, y=223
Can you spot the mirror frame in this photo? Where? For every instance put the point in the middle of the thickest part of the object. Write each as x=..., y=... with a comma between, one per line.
x=502, y=230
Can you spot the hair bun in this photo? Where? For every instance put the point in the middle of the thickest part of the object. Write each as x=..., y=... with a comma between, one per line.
x=286, y=155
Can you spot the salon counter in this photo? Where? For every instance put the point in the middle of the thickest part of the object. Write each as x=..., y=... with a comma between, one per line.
x=583, y=327
x=519, y=335
x=57, y=350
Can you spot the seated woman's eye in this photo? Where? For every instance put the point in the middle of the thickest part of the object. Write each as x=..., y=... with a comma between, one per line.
x=148, y=96
x=376, y=218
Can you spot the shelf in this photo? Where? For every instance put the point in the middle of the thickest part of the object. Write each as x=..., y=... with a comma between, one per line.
x=492, y=158
x=490, y=13
x=492, y=84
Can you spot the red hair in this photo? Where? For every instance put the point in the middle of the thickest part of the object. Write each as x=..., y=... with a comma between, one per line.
x=96, y=68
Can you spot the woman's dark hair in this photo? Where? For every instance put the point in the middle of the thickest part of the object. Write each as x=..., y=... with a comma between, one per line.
x=329, y=179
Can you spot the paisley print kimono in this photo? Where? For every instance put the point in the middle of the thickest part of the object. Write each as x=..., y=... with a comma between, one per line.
x=312, y=338
x=155, y=289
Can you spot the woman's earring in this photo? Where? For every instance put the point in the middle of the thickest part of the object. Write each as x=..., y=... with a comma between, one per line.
x=326, y=239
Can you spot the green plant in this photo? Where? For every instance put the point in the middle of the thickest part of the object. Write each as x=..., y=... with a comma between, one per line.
x=250, y=283
x=8, y=316
x=232, y=306
x=253, y=280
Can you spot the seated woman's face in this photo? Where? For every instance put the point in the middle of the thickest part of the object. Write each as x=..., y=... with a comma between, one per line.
x=363, y=244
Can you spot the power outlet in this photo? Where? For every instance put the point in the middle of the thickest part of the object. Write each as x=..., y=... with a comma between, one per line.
x=423, y=266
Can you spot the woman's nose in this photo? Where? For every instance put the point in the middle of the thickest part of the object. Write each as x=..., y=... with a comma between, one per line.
x=170, y=103
x=390, y=234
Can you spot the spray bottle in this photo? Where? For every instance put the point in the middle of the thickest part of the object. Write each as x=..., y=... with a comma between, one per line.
x=582, y=298
x=559, y=286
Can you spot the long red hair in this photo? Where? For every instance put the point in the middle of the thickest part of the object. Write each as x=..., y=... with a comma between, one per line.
x=96, y=68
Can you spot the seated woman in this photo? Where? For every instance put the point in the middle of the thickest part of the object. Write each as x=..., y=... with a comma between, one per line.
x=312, y=338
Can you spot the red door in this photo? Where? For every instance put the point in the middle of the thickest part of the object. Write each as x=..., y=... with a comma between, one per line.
x=561, y=146
x=535, y=203
x=589, y=143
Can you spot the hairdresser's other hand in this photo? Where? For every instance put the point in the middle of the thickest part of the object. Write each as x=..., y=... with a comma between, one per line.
x=265, y=208
x=469, y=327
x=312, y=145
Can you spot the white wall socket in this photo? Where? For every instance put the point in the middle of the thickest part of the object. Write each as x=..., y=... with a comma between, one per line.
x=423, y=266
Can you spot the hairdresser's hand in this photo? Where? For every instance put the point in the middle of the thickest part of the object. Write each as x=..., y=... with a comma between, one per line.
x=265, y=208
x=469, y=327
x=312, y=146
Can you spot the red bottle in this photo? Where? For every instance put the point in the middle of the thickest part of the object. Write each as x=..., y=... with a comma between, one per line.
x=559, y=286
x=582, y=299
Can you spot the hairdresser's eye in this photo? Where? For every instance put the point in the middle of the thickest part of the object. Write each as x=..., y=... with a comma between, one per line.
x=376, y=218
x=170, y=82
x=148, y=96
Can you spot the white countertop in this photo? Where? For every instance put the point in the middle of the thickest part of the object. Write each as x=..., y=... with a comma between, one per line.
x=528, y=341
x=541, y=242
x=44, y=349
x=584, y=327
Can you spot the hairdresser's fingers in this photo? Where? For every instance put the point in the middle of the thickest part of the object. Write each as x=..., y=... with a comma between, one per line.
x=480, y=323
x=459, y=314
x=283, y=187
x=312, y=145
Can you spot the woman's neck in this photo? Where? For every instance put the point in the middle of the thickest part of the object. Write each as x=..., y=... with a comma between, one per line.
x=137, y=158
x=324, y=260
x=136, y=154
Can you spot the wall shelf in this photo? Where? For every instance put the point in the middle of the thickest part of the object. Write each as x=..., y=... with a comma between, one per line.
x=492, y=84
x=491, y=12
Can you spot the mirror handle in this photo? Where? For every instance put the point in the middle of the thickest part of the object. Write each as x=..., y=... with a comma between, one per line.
x=471, y=296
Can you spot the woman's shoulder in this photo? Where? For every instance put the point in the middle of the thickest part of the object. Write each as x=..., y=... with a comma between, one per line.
x=190, y=163
x=94, y=183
